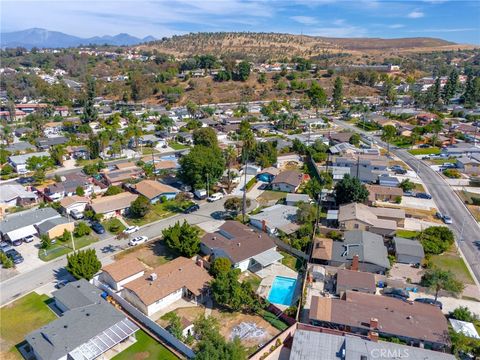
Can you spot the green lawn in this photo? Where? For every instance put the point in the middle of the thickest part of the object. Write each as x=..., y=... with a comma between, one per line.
x=146, y=348
x=453, y=262
x=253, y=279
x=177, y=146
x=291, y=261
x=367, y=126
x=426, y=151
x=114, y=226
x=62, y=248
x=407, y=234
x=20, y=318
x=159, y=211
x=269, y=195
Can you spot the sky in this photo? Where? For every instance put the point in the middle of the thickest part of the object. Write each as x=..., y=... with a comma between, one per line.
x=453, y=20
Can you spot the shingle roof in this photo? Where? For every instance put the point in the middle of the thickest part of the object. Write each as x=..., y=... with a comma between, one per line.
x=9, y=192
x=26, y=218
x=122, y=269
x=69, y=200
x=356, y=279
x=151, y=188
x=278, y=216
x=172, y=276
x=46, y=226
x=290, y=177
x=238, y=241
x=107, y=204
x=361, y=212
x=408, y=247
x=22, y=159
x=78, y=294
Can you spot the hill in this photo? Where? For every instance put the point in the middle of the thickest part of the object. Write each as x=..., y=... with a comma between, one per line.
x=275, y=45
x=42, y=38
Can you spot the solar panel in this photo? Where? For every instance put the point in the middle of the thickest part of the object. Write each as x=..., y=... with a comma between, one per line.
x=124, y=328
x=112, y=335
x=106, y=340
x=119, y=331
x=100, y=344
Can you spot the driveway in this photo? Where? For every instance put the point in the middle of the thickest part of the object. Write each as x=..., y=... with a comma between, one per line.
x=417, y=203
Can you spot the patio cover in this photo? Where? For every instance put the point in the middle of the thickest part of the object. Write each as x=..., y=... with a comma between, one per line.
x=267, y=257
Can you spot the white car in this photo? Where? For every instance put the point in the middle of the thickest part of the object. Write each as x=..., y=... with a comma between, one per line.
x=28, y=238
x=138, y=240
x=131, y=229
x=215, y=197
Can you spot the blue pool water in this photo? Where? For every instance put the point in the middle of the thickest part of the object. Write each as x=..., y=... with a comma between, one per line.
x=283, y=289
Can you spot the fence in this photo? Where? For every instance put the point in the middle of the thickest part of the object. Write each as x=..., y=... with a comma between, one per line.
x=283, y=245
x=280, y=314
x=147, y=322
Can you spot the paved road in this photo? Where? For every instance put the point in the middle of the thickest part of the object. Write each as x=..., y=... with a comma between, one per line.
x=464, y=225
x=26, y=282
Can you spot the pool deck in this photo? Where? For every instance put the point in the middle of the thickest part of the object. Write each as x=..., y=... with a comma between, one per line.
x=268, y=275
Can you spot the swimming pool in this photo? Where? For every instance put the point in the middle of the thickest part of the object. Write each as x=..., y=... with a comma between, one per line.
x=283, y=289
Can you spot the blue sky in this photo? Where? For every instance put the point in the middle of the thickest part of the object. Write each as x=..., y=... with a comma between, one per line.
x=453, y=20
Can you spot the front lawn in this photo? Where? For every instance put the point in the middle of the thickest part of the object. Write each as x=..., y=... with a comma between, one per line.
x=146, y=348
x=269, y=195
x=20, y=318
x=61, y=248
x=407, y=234
x=425, y=151
x=178, y=146
x=152, y=254
x=113, y=225
x=452, y=261
x=291, y=261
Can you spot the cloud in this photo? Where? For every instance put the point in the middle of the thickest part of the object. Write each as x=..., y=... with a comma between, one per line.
x=453, y=30
x=415, y=14
x=305, y=20
x=396, y=26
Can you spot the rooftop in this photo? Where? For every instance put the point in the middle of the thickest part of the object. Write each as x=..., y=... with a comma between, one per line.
x=124, y=268
x=151, y=188
x=408, y=247
x=107, y=204
x=78, y=294
x=291, y=177
x=356, y=279
x=279, y=216
x=27, y=218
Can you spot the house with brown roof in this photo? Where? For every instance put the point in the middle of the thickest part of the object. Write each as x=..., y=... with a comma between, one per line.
x=322, y=250
x=383, y=193
x=110, y=206
x=124, y=172
x=75, y=202
x=352, y=280
x=121, y=272
x=359, y=313
x=287, y=181
x=243, y=246
x=154, y=190
x=382, y=221
x=178, y=279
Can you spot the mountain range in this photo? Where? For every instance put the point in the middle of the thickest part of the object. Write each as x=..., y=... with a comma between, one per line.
x=42, y=38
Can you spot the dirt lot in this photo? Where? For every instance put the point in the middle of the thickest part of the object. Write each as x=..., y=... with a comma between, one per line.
x=151, y=254
x=228, y=321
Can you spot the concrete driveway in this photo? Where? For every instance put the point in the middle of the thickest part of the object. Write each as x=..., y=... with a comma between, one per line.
x=417, y=203
x=29, y=252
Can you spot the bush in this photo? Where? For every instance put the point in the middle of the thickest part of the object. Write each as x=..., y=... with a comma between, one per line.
x=436, y=239
x=140, y=207
x=476, y=201
x=83, y=264
x=113, y=190
x=7, y=263
x=398, y=200
x=452, y=173
x=334, y=235
x=251, y=183
x=45, y=241
x=82, y=229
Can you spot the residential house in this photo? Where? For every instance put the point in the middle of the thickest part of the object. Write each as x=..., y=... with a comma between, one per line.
x=61, y=110
x=287, y=181
x=19, y=147
x=111, y=206
x=309, y=342
x=20, y=225
x=121, y=272
x=383, y=193
x=17, y=116
x=340, y=137
x=360, y=250
x=123, y=172
x=48, y=143
x=88, y=327
x=371, y=162
x=74, y=202
x=16, y=195
x=276, y=218
x=78, y=152
x=67, y=187
x=322, y=250
x=178, y=279
x=469, y=164
x=461, y=150
x=244, y=247
x=154, y=191
x=289, y=159
x=415, y=323
x=294, y=199
x=389, y=181
x=408, y=251
x=426, y=118
x=383, y=221
x=19, y=162
x=55, y=227
x=351, y=280
x=343, y=149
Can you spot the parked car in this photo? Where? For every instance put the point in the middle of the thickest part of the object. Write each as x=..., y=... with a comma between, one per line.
x=408, y=193
x=17, y=242
x=400, y=171
x=426, y=157
x=215, y=197
x=77, y=215
x=98, y=228
x=396, y=293
x=5, y=246
x=439, y=215
x=447, y=219
x=28, y=238
x=421, y=195
x=138, y=240
x=424, y=146
x=15, y=256
x=191, y=208
x=430, y=301
x=131, y=229
x=200, y=194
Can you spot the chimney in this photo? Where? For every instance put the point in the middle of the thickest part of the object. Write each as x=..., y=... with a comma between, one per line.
x=354, y=265
x=373, y=323
x=200, y=262
x=373, y=336
x=153, y=276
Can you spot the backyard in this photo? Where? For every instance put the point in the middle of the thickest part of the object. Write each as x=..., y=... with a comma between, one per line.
x=407, y=234
x=152, y=254
x=146, y=348
x=270, y=196
x=61, y=248
x=20, y=318
x=452, y=261
x=291, y=261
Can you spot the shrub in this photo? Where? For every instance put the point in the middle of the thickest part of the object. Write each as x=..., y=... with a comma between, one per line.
x=251, y=183
x=334, y=235
x=398, y=200
x=452, y=173
x=82, y=229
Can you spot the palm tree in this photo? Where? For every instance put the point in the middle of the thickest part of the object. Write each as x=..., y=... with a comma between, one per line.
x=7, y=134
x=436, y=127
x=294, y=121
x=134, y=130
x=230, y=154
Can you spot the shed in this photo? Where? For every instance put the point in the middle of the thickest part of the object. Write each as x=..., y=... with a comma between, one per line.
x=408, y=251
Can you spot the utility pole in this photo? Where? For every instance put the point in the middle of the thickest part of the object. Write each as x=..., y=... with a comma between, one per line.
x=208, y=191
x=244, y=200
x=71, y=233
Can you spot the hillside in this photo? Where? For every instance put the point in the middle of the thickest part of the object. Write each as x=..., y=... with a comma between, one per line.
x=273, y=45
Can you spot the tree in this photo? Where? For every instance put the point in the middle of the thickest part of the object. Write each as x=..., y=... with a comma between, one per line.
x=140, y=207
x=57, y=153
x=182, y=238
x=337, y=97
x=113, y=190
x=83, y=264
x=80, y=191
x=230, y=154
x=349, y=190
x=317, y=96
x=39, y=165
x=247, y=137
x=243, y=70
x=436, y=239
x=205, y=136
x=82, y=229
x=262, y=78
x=463, y=313
x=407, y=185
x=201, y=162
x=355, y=139
x=471, y=94
x=89, y=111
x=450, y=88
x=221, y=265
x=389, y=91
x=438, y=279
x=306, y=213
x=388, y=134
x=235, y=204
x=175, y=325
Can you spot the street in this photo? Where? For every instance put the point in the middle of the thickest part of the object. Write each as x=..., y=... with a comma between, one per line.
x=54, y=270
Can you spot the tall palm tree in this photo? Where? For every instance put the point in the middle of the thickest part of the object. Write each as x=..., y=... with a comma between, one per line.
x=134, y=130
x=230, y=154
